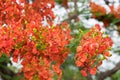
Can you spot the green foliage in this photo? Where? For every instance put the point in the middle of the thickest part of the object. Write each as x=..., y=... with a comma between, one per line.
x=116, y=76
x=117, y=50
x=4, y=58
x=77, y=31
x=58, y=1
x=5, y=72
x=115, y=21
x=70, y=71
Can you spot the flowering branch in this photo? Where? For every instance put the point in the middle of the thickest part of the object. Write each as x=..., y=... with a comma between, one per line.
x=108, y=73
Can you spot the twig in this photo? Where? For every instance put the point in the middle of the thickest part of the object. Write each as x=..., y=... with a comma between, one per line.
x=108, y=73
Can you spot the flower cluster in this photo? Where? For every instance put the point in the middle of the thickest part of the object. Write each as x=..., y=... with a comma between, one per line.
x=38, y=50
x=47, y=45
x=99, y=12
x=93, y=48
x=23, y=36
x=12, y=11
x=115, y=11
x=44, y=48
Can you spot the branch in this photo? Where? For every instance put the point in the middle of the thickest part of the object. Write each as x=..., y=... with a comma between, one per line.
x=74, y=15
x=108, y=73
x=75, y=5
x=89, y=77
x=5, y=72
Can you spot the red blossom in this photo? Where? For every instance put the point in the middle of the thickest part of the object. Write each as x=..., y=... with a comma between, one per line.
x=93, y=71
x=23, y=35
x=83, y=72
x=91, y=46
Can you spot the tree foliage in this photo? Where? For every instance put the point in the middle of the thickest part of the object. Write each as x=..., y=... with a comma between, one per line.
x=28, y=33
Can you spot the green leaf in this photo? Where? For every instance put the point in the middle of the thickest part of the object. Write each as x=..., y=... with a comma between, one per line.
x=4, y=58
x=58, y=1
x=115, y=21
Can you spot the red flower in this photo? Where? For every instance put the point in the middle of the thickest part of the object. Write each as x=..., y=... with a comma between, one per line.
x=91, y=46
x=93, y=71
x=107, y=54
x=83, y=72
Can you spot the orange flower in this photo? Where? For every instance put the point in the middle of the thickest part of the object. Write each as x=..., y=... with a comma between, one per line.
x=93, y=71
x=79, y=48
x=83, y=72
x=107, y=54
x=26, y=37
x=97, y=10
x=91, y=46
